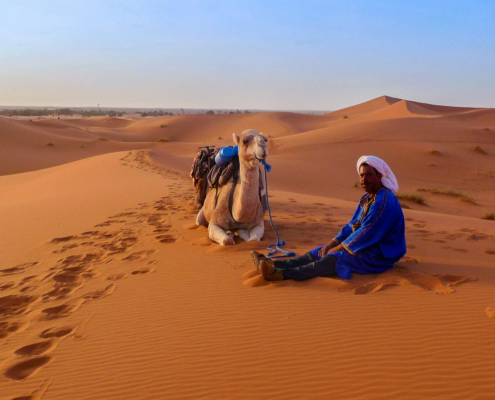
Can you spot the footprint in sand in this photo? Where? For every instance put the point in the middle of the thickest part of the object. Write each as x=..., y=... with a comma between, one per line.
x=68, y=279
x=167, y=238
x=124, y=214
x=372, y=288
x=139, y=255
x=63, y=310
x=63, y=239
x=18, y=269
x=65, y=248
x=492, y=252
x=110, y=222
x=25, y=369
x=101, y=293
x=7, y=285
x=30, y=288
x=142, y=271
x=9, y=328
x=440, y=284
x=477, y=236
x=38, y=393
x=81, y=259
x=117, y=277
x=119, y=245
x=408, y=259
x=57, y=332
x=37, y=349
x=490, y=313
x=162, y=229
x=59, y=293
x=16, y=304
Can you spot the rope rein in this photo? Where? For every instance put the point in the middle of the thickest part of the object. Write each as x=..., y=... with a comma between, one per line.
x=268, y=168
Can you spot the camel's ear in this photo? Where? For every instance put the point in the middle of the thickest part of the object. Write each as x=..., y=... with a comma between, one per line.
x=236, y=138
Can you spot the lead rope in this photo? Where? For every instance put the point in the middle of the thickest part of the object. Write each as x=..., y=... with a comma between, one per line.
x=268, y=168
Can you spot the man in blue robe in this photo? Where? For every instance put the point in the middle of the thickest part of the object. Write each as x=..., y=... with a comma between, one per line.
x=370, y=243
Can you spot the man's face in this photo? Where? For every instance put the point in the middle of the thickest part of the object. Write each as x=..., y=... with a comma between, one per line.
x=370, y=181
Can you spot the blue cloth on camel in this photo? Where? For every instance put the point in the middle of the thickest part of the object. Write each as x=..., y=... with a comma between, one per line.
x=374, y=239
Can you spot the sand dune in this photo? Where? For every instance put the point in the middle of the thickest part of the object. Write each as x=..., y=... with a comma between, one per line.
x=108, y=289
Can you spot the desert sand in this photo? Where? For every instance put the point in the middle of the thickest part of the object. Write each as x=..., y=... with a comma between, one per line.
x=108, y=289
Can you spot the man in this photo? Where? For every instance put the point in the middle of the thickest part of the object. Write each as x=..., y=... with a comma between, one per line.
x=370, y=243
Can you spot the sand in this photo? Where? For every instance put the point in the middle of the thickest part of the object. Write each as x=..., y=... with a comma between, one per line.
x=109, y=290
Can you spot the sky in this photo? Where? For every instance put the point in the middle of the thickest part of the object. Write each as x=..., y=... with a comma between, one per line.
x=283, y=55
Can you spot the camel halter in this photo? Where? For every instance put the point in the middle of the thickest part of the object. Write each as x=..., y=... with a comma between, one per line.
x=267, y=168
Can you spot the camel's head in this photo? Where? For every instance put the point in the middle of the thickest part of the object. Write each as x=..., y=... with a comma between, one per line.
x=251, y=142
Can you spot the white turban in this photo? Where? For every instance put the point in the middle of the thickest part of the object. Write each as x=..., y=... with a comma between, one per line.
x=388, y=178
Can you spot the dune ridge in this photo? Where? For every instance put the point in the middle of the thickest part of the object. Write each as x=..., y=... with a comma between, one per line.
x=108, y=289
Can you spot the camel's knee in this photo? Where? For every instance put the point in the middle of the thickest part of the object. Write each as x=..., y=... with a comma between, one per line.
x=227, y=241
x=201, y=219
x=218, y=235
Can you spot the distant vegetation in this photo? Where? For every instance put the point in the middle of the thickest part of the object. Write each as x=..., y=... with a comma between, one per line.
x=164, y=140
x=416, y=198
x=435, y=152
x=478, y=149
x=345, y=116
x=29, y=112
x=489, y=216
x=159, y=113
x=449, y=192
x=211, y=112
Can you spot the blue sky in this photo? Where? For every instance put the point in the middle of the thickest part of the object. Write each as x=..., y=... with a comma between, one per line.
x=292, y=55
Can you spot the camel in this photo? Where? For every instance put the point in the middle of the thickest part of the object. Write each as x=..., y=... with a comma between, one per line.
x=247, y=212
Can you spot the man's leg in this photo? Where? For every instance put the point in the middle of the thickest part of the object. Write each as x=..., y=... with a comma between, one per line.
x=323, y=267
x=295, y=262
x=283, y=264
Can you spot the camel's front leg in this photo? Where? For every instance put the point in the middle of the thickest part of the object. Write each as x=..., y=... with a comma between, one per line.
x=217, y=234
x=257, y=232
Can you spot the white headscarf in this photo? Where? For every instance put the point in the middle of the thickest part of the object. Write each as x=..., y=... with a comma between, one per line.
x=388, y=178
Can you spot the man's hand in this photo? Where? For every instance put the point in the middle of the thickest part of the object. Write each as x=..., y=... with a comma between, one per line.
x=330, y=246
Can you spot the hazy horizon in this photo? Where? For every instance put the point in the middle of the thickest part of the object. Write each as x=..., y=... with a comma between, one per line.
x=317, y=55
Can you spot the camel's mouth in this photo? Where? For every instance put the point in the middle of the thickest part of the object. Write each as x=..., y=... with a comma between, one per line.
x=261, y=156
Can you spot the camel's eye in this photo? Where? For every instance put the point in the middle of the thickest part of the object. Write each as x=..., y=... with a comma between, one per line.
x=245, y=141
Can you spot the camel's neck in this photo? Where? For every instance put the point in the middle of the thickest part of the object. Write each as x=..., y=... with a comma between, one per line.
x=246, y=197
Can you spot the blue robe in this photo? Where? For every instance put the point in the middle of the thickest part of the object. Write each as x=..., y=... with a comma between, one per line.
x=374, y=239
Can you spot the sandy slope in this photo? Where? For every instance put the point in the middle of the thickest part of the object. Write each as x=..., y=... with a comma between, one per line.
x=108, y=290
